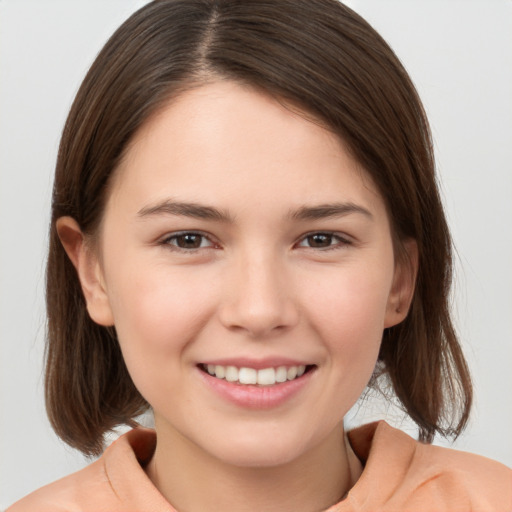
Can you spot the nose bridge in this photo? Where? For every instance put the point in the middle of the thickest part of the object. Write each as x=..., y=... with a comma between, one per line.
x=259, y=298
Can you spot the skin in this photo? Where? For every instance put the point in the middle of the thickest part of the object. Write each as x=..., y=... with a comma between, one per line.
x=259, y=285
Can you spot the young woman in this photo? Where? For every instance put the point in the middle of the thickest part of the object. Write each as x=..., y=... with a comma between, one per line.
x=246, y=232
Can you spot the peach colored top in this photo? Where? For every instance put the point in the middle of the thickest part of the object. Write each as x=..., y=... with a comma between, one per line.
x=400, y=474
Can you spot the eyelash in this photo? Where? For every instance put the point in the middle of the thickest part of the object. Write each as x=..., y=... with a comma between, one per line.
x=168, y=241
x=341, y=240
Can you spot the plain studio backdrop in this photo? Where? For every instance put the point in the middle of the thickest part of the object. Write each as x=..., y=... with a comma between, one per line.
x=459, y=54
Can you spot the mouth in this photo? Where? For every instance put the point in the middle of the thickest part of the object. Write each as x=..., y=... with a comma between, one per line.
x=256, y=377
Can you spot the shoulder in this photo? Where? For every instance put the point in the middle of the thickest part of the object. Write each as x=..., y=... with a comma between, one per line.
x=69, y=493
x=423, y=477
x=464, y=478
x=115, y=482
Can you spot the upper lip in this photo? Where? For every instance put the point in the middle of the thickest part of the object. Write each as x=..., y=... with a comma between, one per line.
x=257, y=364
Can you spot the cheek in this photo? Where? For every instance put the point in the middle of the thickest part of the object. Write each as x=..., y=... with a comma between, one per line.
x=349, y=313
x=157, y=311
x=157, y=314
x=353, y=299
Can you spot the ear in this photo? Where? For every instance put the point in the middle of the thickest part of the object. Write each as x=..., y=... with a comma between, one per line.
x=86, y=262
x=404, y=281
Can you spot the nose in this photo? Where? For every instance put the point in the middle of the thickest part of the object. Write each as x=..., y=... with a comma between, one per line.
x=259, y=298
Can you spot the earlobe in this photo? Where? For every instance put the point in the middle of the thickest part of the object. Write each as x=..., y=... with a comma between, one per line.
x=86, y=263
x=404, y=282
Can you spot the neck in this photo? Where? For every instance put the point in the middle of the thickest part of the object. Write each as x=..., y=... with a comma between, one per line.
x=192, y=480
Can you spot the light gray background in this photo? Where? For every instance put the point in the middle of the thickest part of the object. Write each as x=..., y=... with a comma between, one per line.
x=459, y=53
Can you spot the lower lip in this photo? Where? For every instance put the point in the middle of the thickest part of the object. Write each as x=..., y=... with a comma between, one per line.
x=256, y=397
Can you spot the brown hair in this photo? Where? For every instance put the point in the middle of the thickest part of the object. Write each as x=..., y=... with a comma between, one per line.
x=317, y=54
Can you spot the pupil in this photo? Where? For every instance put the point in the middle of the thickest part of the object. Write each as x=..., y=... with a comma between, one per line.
x=320, y=240
x=189, y=241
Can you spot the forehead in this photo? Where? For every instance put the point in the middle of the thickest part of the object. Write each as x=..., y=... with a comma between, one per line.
x=220, y=141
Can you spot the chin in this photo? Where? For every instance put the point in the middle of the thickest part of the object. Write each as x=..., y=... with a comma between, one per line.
x=256, y=457
x=260, y=451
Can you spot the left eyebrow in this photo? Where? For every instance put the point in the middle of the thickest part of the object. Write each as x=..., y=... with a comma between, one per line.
x=192, y=210
x=328, y=210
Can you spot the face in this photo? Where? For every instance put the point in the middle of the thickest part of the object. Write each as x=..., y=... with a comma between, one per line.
x=247, y=264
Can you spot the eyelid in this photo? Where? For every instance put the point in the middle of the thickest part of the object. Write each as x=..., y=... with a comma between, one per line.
x=166, y=240
x=343, y=240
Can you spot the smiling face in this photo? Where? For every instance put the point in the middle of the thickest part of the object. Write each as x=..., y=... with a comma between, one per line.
x=247, y=263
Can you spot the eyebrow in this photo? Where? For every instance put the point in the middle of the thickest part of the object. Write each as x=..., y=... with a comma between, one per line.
x=193, y=210
x=328, y=210
x=199, y=211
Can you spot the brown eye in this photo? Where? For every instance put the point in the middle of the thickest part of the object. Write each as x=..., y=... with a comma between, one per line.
x=188, y=241
x=320, y=240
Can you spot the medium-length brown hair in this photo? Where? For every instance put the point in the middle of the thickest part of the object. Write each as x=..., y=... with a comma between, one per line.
x=316, y=54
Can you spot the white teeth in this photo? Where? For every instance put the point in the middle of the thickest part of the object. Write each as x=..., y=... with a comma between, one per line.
x=263, y=377
x=266, y=377
x=291, y=373
x=220, y=371
x=247, y=376
x=281, y=374
x=231, y=374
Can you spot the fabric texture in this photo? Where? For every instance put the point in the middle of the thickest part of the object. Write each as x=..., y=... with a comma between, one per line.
x=400, y=474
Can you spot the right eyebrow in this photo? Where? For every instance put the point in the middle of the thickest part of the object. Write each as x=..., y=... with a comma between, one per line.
x=324, y=211
x=192, y=210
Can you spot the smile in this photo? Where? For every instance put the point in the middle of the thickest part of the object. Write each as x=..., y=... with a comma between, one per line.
x=262, y=377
